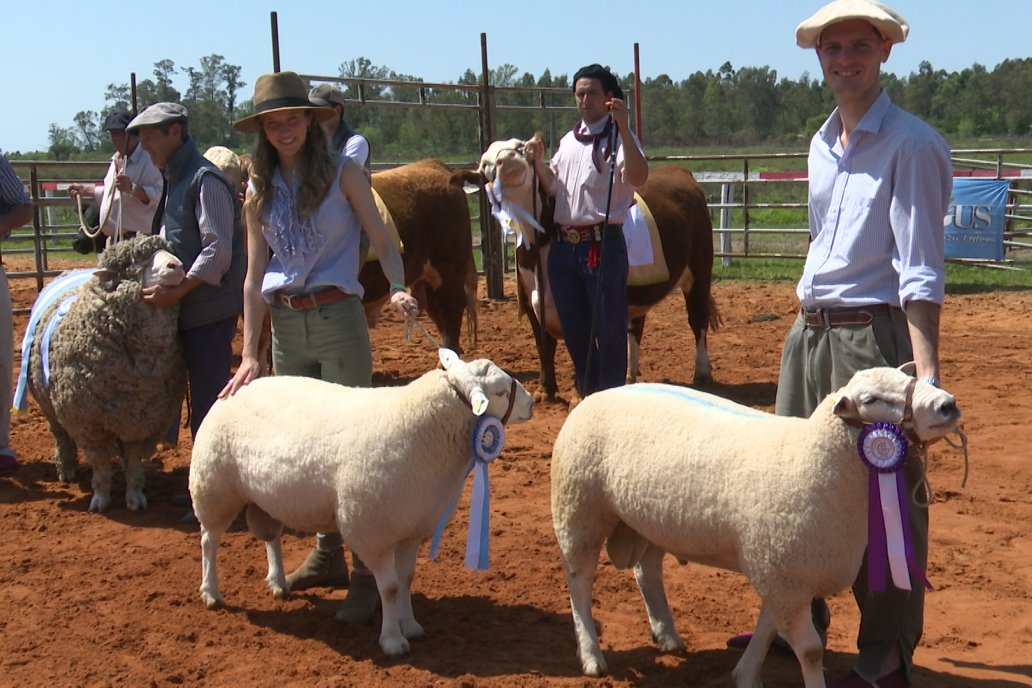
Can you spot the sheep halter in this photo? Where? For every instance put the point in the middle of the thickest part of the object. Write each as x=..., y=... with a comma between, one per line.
x=883, y=448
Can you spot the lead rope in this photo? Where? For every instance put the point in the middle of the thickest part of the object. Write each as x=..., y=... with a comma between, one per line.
x=415, y=322
x=82, y=220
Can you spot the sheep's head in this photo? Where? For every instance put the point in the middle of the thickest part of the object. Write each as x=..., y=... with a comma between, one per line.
x=147, y=260
x=880, y=395
x=488, y=388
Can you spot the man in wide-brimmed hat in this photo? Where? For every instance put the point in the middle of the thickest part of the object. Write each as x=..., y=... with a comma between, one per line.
x=873, y=285
x=198, y=214
x=131, y=188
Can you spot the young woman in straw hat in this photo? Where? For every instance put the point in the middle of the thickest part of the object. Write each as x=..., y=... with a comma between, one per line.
x=305, y=211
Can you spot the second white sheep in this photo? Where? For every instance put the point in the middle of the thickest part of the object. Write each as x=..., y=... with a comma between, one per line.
x=651, y=469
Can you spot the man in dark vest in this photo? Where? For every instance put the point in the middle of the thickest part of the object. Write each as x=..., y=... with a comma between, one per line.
x=198, y=214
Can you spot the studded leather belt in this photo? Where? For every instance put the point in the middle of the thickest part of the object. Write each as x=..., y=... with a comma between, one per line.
x=574, y=234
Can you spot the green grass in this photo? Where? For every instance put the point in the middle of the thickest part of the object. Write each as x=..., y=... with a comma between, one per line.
x=960, y=279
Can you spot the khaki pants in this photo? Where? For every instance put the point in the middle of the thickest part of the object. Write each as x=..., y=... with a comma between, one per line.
x=816, y=361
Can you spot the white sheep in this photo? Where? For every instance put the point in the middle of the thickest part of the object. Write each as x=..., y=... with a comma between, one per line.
x=380, y=465
x=110, y=375
x=649, y=469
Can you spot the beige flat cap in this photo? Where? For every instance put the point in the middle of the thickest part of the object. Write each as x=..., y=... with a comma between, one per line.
x=886, y=20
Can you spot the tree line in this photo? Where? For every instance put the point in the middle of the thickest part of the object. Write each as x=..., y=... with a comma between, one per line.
x=748, y=106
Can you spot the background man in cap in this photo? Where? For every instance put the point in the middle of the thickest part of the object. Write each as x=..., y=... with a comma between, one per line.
x=15, y=211
x=578, y=177
x=342, y=138
x=874, y=279
x=199, y=215
x=132, y=186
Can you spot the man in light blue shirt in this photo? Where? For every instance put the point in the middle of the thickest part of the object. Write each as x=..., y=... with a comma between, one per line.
x=874, y=281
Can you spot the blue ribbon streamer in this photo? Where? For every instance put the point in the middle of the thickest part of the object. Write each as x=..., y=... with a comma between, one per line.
x=488, y=429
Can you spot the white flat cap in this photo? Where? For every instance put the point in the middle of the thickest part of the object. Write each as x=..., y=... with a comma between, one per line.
x=886, y=20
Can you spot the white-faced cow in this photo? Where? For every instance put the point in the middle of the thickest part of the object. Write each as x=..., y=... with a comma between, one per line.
x=432, y=218
x=685, y=230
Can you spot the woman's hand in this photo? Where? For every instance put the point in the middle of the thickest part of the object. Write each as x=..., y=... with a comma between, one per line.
x=248, y=371
x=406, y=305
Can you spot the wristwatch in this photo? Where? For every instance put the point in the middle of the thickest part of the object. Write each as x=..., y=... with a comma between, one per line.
x=931, y=379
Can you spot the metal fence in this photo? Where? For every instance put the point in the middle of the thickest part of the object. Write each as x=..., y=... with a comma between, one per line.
x=758, y=202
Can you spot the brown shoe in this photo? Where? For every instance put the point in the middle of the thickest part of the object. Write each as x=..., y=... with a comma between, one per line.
x=361, y=602
x=322, y=568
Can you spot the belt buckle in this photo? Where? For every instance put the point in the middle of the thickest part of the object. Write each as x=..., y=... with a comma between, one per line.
x=285, y=300
x=571, y=235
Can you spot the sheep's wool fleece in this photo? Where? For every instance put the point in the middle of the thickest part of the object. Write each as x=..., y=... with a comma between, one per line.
x=712, y=480
x=320, y=456
x=116, y=367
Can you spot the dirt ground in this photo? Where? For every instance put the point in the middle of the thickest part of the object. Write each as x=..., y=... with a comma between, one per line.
x=111, y=600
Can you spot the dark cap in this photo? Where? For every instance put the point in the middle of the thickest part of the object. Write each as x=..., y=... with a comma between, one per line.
x=117, y=120
x=325, y=95
x=158, y=113
x=597, y=71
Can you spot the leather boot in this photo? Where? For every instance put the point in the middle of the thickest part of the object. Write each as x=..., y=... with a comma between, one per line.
x=362, y=600
x=323, y=567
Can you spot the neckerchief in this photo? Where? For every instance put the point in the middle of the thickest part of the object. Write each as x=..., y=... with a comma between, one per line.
x=600, y=142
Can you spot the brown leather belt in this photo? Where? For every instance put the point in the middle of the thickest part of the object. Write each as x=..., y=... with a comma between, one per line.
x=304, y=302
x=835, y=317
x=574, y=234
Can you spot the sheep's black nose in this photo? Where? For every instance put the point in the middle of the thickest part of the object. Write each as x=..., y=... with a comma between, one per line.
x=949, y=408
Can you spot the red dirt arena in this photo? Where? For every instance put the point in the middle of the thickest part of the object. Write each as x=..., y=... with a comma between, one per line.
x=111, y=600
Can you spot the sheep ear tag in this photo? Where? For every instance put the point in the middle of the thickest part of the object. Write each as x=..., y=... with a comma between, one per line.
x=883, y=449
x=478, y=402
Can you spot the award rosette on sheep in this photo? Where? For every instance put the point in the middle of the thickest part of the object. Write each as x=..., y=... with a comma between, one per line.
x=487, y=440
x=883, y=448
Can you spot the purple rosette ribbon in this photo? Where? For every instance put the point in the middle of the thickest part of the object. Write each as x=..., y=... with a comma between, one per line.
x=883, y=449
x=487, y=442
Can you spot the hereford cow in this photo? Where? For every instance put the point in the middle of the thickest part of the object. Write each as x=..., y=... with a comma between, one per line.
x=432, y=218
x=685, y=230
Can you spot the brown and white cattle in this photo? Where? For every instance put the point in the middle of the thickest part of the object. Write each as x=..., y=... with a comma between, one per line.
x=432, y=217
x=685, y=231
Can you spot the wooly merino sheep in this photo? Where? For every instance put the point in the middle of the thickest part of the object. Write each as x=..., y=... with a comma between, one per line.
x=379, y=465
x=116, y=372
x=650, y=469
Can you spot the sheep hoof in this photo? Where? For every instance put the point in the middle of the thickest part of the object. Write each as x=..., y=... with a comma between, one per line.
x=99, y=503
x=211, y=601
x=669, y=643
x=279, y=593
x=135, y=501
x=66, y=475
x=394, y=646
x=594, y=666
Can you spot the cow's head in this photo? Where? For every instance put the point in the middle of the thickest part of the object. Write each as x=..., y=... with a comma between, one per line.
x=505, y=162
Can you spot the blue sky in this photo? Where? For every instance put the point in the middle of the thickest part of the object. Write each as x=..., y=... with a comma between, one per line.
x=82, y=48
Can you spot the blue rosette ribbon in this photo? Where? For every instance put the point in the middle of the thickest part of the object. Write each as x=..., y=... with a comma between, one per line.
x=883, y=449
x=487, y=441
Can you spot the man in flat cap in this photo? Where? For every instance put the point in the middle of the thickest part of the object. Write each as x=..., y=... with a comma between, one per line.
x=341, y=137
x=600, y=147
x=873, y=284
x=131, y=188
x=199, y=215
